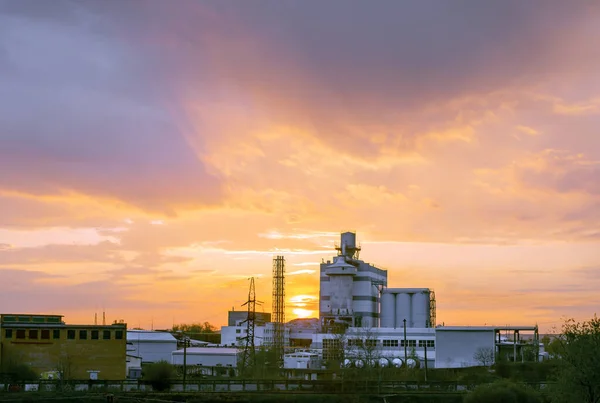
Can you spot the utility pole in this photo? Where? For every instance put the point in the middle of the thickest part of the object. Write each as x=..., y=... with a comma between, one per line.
x=405, y=343
x=425, y=346
x=185, y=340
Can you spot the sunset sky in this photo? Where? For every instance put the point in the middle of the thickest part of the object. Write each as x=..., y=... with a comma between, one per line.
x=156, y=154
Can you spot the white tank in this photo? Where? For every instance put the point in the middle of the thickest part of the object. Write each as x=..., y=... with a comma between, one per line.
x=359, y=363
x=347, y=363
x=403, y=310
x=348, y=240
x=383, y=362
x=420, y=309
x=397, y=362
x=372, y=363
x=388, y=309
x=412, y=363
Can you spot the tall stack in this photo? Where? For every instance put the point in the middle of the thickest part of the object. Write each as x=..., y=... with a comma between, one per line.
x=279, y=308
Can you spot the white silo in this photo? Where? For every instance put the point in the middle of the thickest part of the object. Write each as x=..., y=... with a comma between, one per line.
x=412, y=363
x=348, y=244
x=383, y=362
x=347, y=363
x=397, y=362
x=359, y=363
x=388, y=309
x=403, y=309
x=420, y=308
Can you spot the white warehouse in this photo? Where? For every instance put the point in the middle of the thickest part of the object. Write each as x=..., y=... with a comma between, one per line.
x=150, y=345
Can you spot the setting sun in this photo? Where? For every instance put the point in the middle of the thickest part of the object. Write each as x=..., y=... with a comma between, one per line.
x=302, y=313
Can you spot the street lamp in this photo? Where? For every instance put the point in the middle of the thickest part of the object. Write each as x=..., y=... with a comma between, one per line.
x=405, y=343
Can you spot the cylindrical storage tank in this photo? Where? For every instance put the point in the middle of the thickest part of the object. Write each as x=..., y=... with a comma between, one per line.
x=397, y=362
x=359, y=363
x=383, y=362
x=403, y=310
x=412, y=363
x=347, y=363
x=362, y=302
x=349, y=240
x=420, y=309
x=388, y=309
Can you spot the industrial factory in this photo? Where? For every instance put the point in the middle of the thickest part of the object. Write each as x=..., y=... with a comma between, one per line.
x=364, y=322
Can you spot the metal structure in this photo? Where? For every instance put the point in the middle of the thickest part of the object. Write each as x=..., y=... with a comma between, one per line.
x=279, y=308
x=249, y=353
x=432, y=309
x=349, y=288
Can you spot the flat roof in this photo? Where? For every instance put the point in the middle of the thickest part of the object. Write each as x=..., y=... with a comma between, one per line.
x=150, y=336
x=209, y=351
x=483, y=328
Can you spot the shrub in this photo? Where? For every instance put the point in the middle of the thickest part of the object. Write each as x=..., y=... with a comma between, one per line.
x=503, y=392
x=159, y=375
x=22, y=373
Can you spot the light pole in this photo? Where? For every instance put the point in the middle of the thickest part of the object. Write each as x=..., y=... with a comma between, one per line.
x=405, y=353
x=185, y=340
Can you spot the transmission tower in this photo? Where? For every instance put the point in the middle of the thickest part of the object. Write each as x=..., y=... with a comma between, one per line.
x=279, y=308
x=249, y=354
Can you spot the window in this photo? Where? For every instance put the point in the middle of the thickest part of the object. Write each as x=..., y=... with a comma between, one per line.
x=409, y=343
x=119, y=335
x=431, y=343
x=82, y=334
x=71, y=334
x=95, y=334
x=371, y=342
x=8, y=333
x=428, y=343
x=45, y=334
x=106, y=335
x=33, y=334
x=20, y=333
x=390, y=343
x=238, y=331
x=56, y=334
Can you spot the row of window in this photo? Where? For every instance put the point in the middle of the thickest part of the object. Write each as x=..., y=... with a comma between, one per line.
x=72, y=334
x=388, y=343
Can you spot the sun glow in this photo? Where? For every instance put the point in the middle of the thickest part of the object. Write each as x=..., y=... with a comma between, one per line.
x=302, y=313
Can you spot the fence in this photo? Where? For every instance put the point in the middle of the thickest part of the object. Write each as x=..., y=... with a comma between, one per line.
x=262, y=386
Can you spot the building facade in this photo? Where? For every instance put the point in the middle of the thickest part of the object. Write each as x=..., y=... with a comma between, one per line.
x=46, y=344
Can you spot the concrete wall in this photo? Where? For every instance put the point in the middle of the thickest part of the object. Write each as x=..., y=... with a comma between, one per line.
x=208, y=357
x=456, y=348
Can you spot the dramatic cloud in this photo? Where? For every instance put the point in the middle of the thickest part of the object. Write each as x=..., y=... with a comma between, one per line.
x=151, y=152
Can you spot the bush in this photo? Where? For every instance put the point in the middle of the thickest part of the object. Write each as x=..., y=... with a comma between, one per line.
x=503, y=392
x=159, y=375
x=22, y=373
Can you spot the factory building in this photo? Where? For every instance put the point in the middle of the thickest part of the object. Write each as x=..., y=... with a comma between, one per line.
x=363, y=322
x=48, y=345
x=349, y=288
x=237, y=318
x=151, y=346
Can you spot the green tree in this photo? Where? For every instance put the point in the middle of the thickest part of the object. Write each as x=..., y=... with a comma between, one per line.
x=578, y=372
x=159, y=375
x=503, y=392
x=199, y=331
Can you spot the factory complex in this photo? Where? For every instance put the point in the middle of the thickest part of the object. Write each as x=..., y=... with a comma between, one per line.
x=363, y=323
